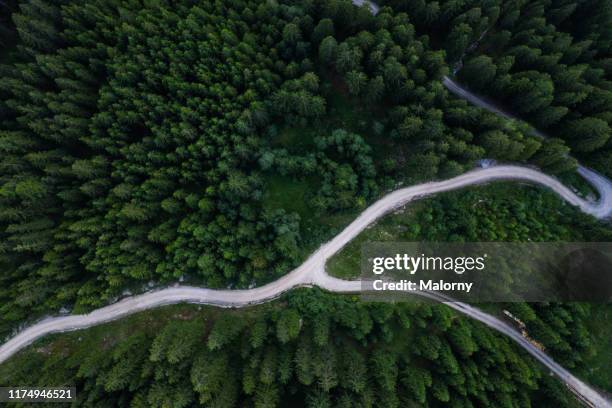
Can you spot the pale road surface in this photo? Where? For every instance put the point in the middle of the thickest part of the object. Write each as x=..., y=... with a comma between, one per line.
x=373, y=6
x=312, y=271
x=604, y=187
x=460, y=91
x=463, y=93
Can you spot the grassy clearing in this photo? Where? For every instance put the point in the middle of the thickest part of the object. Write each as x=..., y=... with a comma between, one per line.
x=362, y=118
x=297, y=139
x=289, y=194
x=343, y=112
x=395, y=227
x=292, y=194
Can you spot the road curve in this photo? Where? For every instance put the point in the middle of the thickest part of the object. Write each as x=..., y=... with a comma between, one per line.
x=601, y=210
x=312, y=271
x=601, y=183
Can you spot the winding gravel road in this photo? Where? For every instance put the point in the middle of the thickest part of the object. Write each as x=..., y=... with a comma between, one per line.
x=599, y=210
x=312, y=271
x=599, y=182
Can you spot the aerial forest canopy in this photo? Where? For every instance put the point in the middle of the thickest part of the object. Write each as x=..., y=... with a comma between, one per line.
x=311, y=350
x=139, y=140
x=549, y=62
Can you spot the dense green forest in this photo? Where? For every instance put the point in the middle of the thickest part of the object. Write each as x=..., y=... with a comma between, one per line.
x=220, y=141
x=318, y=350
x=137, y=151
x=549, y=61
x=506, y=213
x=308, y=349
x=7, y=28
x=141, y=141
